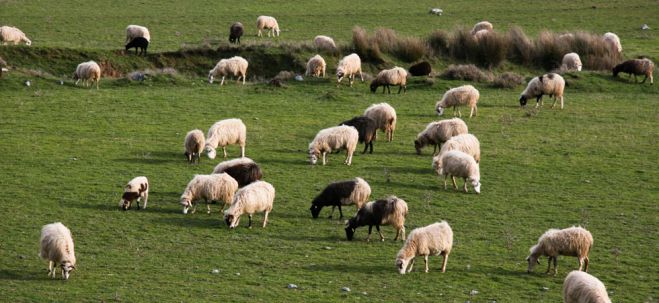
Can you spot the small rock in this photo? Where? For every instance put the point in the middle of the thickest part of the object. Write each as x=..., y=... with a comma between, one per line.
x=27, y=83
x=298, y=78
x=21, y=256
x=291, y=286
x=237, y=274
x=545, y=288
x=468, y=266
x=215, y=271
x=364, y=293
x=345, y=289
x=61, y=82
x=327, y=248
x=473, y=292
x=645, y=27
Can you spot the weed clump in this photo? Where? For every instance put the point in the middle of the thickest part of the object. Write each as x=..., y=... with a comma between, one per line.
x=468, y=72
x=508, y=80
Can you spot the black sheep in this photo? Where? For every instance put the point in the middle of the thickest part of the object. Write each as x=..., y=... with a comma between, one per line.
x=388, y=211
x=244, y=170
x=235, y=32
x=355, y=191
x=139, y=42
x=420, y=69
x=636, y=67
x=366, y=127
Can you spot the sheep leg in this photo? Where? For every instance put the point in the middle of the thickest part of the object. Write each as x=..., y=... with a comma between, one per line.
x=340, y=212
x=146, y=197
x=409, y=269
x=379, y=232
x=646, y=77
x=455, y=185
x=465, y=186
x=366, y=147
x=555, y=265
x=242, y=151
x=244, y=76
x=445, y=254
x=368, y=238
x=194, y=207
x=586, y=261
x=224, y=150
x=324, y=162
x=250, y=221
x=51, y=269
x=208, y=208
x=388, y=89
x=548, y=264
x=635, y=79
x=265, y=219
x=222, y=82
x=425, y=261
x=371, y=147
x=471, y=113
x=360, y=74
x=445, y=176
x=351, y=79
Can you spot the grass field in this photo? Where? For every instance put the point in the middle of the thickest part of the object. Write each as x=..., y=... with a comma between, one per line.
x=68, y=151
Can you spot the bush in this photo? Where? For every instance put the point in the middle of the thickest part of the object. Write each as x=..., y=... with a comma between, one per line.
x=461, y=45
x=521, y=48
x=411, y=49
x=465, y=72
x=595, y=54
x=549, y=50
x=386, y=39
x=508, y=80
x=364, y=47
x=491, y=50
x=439, y=42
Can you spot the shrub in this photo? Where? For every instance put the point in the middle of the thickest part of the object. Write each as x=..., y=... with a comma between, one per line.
x=364, y=46
x=549, y=50
x=386, y=39
x=508, y=80
x=461, y=45
x=439, y=42
x=521, y=48
x=595, y=54
x=411, y=49
x=467, y=72
x=491, y=50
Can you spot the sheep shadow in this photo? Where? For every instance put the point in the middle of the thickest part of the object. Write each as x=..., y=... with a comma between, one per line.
x=22, y=275
x=193, y=220
x=155, y=157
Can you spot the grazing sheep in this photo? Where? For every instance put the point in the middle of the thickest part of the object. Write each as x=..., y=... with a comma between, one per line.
x=324, y=42
x=385, y=118
x=581, y=287
x=636, y=67
x=456, y=163
x=89, y=72
x=136, y=190
x=213, y=187
x=235, y=32
x=396, y=76
x=367, y=129
x=334, y=138
x=571, y=61
x=422, y=68
x=267, y=23
x=349, y=66
x=57, y=247
x=432, y=240
x=316, y=66
x=135, y=31
x=548, y=84
x=340, y=193
x=436, y=11
x=483, y=25
x=223, y=133
x=571, y=241
x=461, y=95
x=481, y=34
x=10, y=34
x=613, y=41
x=244, y=170
x=388, y=211
x=235, y=66
x=194, y=145
x=438, y=132
x=139, y=42
x=466, y=143
x=256, y=197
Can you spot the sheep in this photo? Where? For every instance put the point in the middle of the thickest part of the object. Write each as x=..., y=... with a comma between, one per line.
x=89, y=72
x=385, y=118
x=548, y=84
x=135, y=31
x=235, y=32
x=267, y=23
x=466, y=143
x=367, y=129
x=244, y=170
x=356, y=191
x=139, y=42
x=256, y=197
x=461, y=95
x=10, y=34
x=581, y=287
x=483, y=25
x=316, y=66
x=349, y=66
x=571, y=241
x=636, y=67
x=334, y=138
x=571, y=61
x=396, y=76
x=422, y=68
x=57, y=247
x=456, y=163
x=436, y=11
x=234, y=66
x=481, y=34
x=223, y=133
x=435, y=239
x=213, y=187
x=324, y=42
x=137, y=189
x=613, y=41
x=438, y=132
x=388, y=211
x=194, y=145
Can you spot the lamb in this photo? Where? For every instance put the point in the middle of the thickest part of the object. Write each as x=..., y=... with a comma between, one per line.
x=10, y=34
x=385, y=118
x=139, y=42
x=349, y=66
x=388, y=211
x=223, y=133
x=213, y=187
x=235, y=32
x=234, y=66
x=435, y=239
x=244, y=170
x=135, y=31
x=89, y=72
x=461, y=95
x=613, y=41
x=466, y=143
x=483, y=25
x=571, y=241
x=636, y=67
x=396, y=76
x=194, y=145
x=267, y=23
x=324, y=42
x=581, y=287
x=356, y=191
x=57, y=247
x=316, y=66
x=459, y=164
x=422, y=68
x=366, y=128
x=256, y=197
x=137, y=189
x=439, y=132
x=571, y=61
x=334, y=138
x=548, y=84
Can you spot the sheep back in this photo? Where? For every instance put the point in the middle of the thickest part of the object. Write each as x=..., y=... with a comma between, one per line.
x=420, y=69
x=571, y=61
x=614, y=42
x=324, y=42
x=483, y=25
x=384, y=116
x=466, y=143
x=194, y=144
x=56, y=245
x=13, y=35
x=431, y=240
x=225, y=132
x=316, y=66
x=438, y=132
x=461, y=95
x=243, y=170
x=334, y=138
x=134, y=31
x=580, y=287
x=255, y=197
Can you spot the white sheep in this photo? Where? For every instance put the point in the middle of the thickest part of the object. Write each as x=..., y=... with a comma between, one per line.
x=334, y=138
x=456, y=163
x=57, y=247
x=10, y=34
x=324, y=42
x=613, y=41
x=436, y=11
x=483, y=25
x=89, y=72
x=316, y=66
x=235, y=66
x=481, y=33
x=213, y=187
x=581, y=287
x=137, y=31
x=455, y=97
x=258, y=196
x=548, y=84
x=572, y=241
x=571, y=61
x=223, y=133
x=194, y=145
x=432, y=240
x=137, y=189
x=267, y=23
x=349, y=66
x=385, y=118
x=466, y=143
x=438, y=132
x=387, y=77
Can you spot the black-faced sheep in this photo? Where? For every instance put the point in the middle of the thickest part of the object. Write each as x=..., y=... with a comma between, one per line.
x=223, y=133
x=421, y=69
x=213, y=187
x=459, y=164
x=388, y=211
x=439, y=132
x=136, y=190
x=548, y=84
x=194, y=145
x=259, y=196
x=134, y=31
x=614, y=42
x=140, y=43
x=367, y=129
x=267, y=23
x=466, y=143
x=89, y=72
x=385, y=118
x=432, y=240
x=340, y=193
x=334, y=138
x=244, y=170
x=636, y=67
x=396, y=76
x=572, y=241
x=581, y=287
x=235, y=66
x=349, y=66
x=571, y=61
x=57, y=247
x=235, y=32
x=455, y=97
x=10, y=34
x=316, y=66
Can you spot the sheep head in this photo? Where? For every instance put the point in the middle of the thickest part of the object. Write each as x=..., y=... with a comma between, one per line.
x=67, y=267
x=350, y=229
x=231, y=220
x=533, y=259
x=523, y=100
x=186, y=205
x=401, y=265
x=418, y=145
x=439, y=110
x=211, y=152
x=315, y=210
x=477, y=186
x=124, y=204
x=314, y=154
x=210, y=78
x=374, y=86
